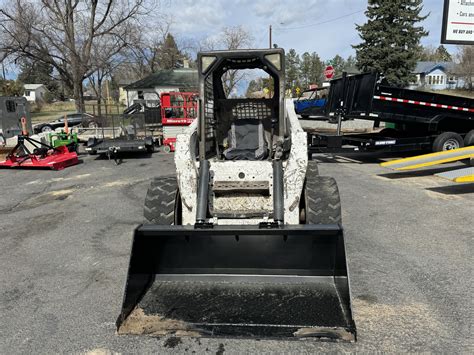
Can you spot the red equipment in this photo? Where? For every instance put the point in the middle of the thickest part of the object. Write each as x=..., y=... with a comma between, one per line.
x=43, y=156
x=178, y=110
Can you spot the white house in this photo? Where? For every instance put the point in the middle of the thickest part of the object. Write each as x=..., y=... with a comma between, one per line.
x=436, y=76
x=34, y=92
x=152, y=86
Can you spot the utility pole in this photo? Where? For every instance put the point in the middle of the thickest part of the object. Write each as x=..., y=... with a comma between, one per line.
x=270, y=36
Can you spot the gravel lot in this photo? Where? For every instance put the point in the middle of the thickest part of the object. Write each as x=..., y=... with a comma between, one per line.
x=65, y=239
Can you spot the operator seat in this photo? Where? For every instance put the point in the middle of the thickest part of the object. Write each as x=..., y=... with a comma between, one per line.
x=246, y=140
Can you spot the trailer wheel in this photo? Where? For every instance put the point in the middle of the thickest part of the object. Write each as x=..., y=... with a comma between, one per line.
x=322, y=204
x=469, y=138
x=163, y=202
x=166, y=149
x=447, y=141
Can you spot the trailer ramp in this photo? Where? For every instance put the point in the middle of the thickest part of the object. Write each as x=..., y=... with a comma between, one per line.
x=461, y=175
x=425, y=160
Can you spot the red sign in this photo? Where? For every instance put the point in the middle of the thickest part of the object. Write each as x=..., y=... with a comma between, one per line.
x=329, y=72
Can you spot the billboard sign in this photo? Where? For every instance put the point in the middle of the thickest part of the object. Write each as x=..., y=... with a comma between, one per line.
x=458, y=22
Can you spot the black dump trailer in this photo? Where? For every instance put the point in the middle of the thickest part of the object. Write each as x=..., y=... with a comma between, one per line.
x=420, y=120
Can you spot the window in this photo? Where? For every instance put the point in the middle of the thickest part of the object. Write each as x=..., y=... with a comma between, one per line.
x=11, y=105
x=429, y=79
x=27, y=92
x=140, y=95
x=441, y=80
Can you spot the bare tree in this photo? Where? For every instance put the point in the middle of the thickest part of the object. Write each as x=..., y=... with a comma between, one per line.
x=64, y=33
x=232, y=38
x=465, y=68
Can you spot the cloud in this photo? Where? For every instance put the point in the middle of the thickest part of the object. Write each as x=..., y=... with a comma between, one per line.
x=206, y=18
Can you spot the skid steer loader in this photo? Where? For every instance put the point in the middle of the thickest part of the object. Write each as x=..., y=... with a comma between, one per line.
x=246, y=240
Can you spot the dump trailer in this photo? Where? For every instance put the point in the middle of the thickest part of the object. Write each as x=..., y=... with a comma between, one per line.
x=246, y=240
x=422, y=120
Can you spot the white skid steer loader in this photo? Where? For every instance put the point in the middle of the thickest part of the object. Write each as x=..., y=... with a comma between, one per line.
x=246, y=240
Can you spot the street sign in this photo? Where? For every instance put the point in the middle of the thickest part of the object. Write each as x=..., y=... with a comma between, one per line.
x=313, y=86
x=458, y=22
x=329, y=72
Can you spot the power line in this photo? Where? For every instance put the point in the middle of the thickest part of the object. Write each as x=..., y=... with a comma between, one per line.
x=282, y=29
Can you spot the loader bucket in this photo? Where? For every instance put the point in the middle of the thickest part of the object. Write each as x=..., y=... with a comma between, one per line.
x=238, y=281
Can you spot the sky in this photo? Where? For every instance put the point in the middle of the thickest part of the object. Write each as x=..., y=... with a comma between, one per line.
x=326, y=27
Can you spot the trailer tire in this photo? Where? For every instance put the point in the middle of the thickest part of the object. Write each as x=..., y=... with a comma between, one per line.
x=163, y=202
x=447, y=141
x=322, y=201
x=469, y=138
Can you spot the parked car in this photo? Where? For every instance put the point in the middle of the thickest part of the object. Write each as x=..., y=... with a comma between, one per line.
x=73, y=119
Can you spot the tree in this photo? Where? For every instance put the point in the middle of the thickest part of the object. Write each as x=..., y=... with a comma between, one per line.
x=63, y=34
x=311, y=69
x=292, y=64
x=11, y=88
x=430, y=54
x=338, y=63
x=391, y=39
x=32, y=72
x=465, y=68
x=230, y=38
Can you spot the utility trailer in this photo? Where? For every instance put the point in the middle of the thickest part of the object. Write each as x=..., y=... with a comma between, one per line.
x=421, y=120
x=133, y=137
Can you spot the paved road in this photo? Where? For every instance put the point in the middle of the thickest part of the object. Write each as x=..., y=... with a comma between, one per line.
x=65, y=239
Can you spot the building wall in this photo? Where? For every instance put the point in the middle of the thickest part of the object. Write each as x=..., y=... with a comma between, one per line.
x=36, y=95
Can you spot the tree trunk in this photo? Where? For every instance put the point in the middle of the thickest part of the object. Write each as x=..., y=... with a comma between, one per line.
x=79, y=95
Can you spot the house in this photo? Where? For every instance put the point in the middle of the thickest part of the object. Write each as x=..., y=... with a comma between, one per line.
x=436, y=76
x=122, y=93
x=150, y=87
x=34, y=92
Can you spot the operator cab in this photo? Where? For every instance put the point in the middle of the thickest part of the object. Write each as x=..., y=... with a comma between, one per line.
x=233, y=128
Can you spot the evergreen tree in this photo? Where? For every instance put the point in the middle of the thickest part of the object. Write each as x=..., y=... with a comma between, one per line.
x=391, y=39
x=338, y=63
x=169, y=56
x=431, y=54
x=311, y=69
x=38, y=73
x=292, y=62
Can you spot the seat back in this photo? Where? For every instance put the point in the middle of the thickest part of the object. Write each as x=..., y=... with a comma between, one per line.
x=246, y=139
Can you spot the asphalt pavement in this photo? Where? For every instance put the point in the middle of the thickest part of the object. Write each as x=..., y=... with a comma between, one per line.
x=65, y=239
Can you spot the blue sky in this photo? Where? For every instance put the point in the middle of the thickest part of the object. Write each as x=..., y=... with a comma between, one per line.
x=201, y=18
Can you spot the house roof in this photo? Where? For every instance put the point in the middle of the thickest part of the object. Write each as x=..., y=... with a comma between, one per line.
x=182, y=78
x=428, y=67
x=33, y=86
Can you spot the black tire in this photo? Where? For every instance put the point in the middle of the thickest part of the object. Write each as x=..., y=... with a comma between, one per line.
x=469, y=138
x=321, y=200
x=447, y=141
x=162, y=202
x=166, y=149
x=312, y=169
x=47, y=128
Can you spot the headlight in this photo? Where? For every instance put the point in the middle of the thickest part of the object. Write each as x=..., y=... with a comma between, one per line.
x=274, y=59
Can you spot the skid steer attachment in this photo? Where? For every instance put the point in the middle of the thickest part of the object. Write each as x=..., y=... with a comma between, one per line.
x=246, y=239
x=239, y=281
